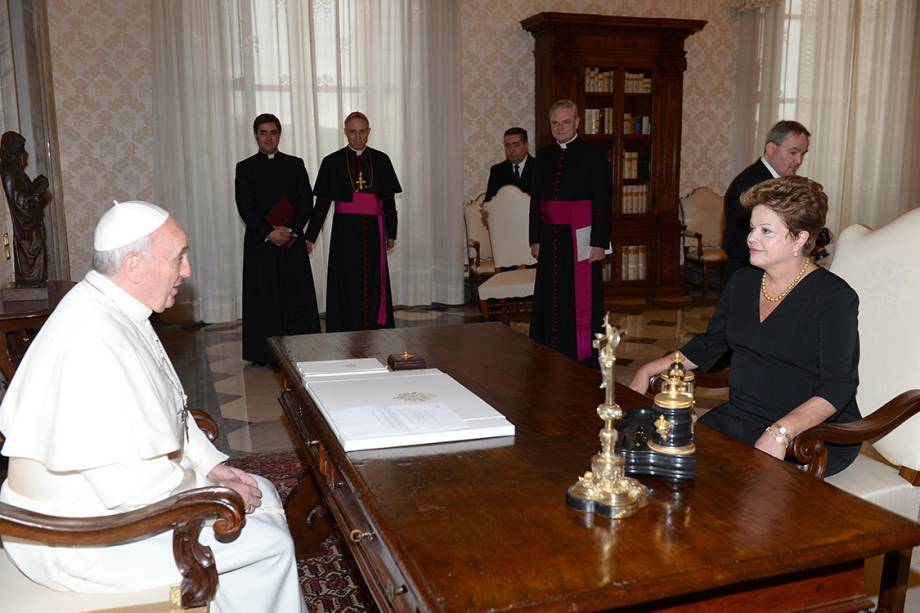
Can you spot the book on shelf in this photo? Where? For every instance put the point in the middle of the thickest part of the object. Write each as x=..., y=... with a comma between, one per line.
x=633, y=260
x=635, y=199
x=630, y=164
x=598, y=121
x=598, y=81
x=637, y=83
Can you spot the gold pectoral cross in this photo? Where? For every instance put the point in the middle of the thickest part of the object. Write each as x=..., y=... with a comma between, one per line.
x=361, y=182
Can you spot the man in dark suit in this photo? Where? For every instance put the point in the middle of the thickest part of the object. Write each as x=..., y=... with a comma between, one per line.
x=783, y=153
x=274, y=199
x=517, y=169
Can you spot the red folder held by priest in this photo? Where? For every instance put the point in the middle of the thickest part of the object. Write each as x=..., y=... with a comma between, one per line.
x=280, y=215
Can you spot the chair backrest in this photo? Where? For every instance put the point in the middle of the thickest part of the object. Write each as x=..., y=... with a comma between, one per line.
x=883, y=268
x=475, y=230
x=509, y=219
x=703, y=213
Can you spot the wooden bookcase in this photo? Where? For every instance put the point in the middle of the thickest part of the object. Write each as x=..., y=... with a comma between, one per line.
x=626, y=75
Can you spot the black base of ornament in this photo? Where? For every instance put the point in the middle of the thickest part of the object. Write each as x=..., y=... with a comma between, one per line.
x=635, y=431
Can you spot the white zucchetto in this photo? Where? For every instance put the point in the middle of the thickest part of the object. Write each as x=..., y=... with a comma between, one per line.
x=127, y=222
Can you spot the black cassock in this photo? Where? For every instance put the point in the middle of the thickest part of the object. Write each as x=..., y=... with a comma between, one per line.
x=278, y=293
x=353, y=286
x=582, y=173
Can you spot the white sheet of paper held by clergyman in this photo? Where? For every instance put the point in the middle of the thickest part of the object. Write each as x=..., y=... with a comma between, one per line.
x=583, y=240
x=395, y=409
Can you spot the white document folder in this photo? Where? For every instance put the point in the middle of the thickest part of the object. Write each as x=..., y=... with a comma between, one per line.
x=395, y=409
x=326, y=368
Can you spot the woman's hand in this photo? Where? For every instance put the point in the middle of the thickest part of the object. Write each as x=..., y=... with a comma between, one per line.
x=769, y=445
x=640, y=382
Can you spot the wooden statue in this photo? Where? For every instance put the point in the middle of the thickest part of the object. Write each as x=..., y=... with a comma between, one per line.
x=26, y=201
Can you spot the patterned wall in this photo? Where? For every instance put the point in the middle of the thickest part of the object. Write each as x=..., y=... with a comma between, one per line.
x=498, y=80
x=102, y=87
x=100, y=53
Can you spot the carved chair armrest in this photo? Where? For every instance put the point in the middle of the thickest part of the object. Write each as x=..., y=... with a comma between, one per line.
x=808, y=447
x=206, y=423
x=699, y=242
x=184, y=513
x=473, y=244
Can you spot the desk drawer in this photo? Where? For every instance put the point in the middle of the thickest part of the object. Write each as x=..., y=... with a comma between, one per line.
x=386, y=582
x=384, y=578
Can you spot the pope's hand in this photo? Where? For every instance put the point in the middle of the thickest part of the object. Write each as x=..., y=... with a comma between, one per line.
x=239, y=481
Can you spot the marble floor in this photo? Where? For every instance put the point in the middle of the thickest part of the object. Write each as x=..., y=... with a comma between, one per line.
x=244, y=398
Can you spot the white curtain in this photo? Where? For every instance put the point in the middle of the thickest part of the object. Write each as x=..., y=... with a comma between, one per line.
x=219, y=64
x=848, y=70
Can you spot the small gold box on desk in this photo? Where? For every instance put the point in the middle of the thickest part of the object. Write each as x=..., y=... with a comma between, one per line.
x=405, y=361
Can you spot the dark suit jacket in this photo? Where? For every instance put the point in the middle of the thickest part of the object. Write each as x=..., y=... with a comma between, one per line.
x=737, y=218
x=502, y=174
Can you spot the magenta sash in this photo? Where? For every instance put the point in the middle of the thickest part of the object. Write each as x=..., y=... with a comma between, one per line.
x=367, y=204
x=576, y=214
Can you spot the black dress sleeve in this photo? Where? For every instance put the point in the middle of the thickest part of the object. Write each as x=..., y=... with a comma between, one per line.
x=838, y=347
x=706, y=348
x=246, y=202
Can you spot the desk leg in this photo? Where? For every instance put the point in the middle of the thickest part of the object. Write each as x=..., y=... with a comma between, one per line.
x=893, y=589
x=308, y=518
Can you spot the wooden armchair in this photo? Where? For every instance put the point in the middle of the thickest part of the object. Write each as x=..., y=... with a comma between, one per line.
x=479, y=248
x=882, y=267
x=184, y=513
x=704, y=222
x=510, y=289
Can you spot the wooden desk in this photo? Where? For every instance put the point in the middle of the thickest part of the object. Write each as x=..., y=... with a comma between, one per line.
x=482, y=525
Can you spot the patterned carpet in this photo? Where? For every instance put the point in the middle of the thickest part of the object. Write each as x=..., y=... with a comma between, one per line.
x=330, y=581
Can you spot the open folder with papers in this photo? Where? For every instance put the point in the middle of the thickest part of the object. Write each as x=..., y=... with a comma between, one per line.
x=374, y=410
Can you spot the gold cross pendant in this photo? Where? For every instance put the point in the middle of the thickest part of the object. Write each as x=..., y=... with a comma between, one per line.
x=361, y=182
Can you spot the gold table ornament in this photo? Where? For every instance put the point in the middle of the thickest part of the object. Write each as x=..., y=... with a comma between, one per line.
x=606, y=489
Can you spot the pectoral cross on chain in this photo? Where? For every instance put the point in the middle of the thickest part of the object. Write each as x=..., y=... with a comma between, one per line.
x=361, y=182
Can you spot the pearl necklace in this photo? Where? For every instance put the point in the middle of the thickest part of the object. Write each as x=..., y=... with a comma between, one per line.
x=798, y=277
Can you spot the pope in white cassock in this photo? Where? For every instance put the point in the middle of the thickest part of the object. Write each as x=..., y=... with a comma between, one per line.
x=95, y=424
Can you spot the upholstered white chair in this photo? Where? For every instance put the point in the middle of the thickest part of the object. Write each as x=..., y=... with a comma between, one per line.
x=883, y=268
x=511, y=288
x=704, y=222
x=478, y=244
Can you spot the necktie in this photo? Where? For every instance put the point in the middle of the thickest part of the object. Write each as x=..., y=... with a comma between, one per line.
x=517, y=173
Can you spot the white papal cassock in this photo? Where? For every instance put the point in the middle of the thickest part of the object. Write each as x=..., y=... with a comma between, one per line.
x=93, y=426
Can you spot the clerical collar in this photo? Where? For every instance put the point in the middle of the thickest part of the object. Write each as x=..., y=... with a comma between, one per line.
x=356, y=152
x=770, y=168
x=126, y=303
x=568, y=142
x=270, y=156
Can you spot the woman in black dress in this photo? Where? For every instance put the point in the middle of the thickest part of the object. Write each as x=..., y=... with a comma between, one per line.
x=792, y=328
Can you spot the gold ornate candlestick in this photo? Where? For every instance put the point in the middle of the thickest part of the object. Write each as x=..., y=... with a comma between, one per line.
x=606, y=489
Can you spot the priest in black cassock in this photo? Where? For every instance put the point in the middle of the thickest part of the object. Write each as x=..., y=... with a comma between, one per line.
x=274, y=199
x=362, y=183
x=569, y=231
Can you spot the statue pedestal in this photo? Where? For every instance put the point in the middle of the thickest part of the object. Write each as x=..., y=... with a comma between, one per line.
x=21, y=294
